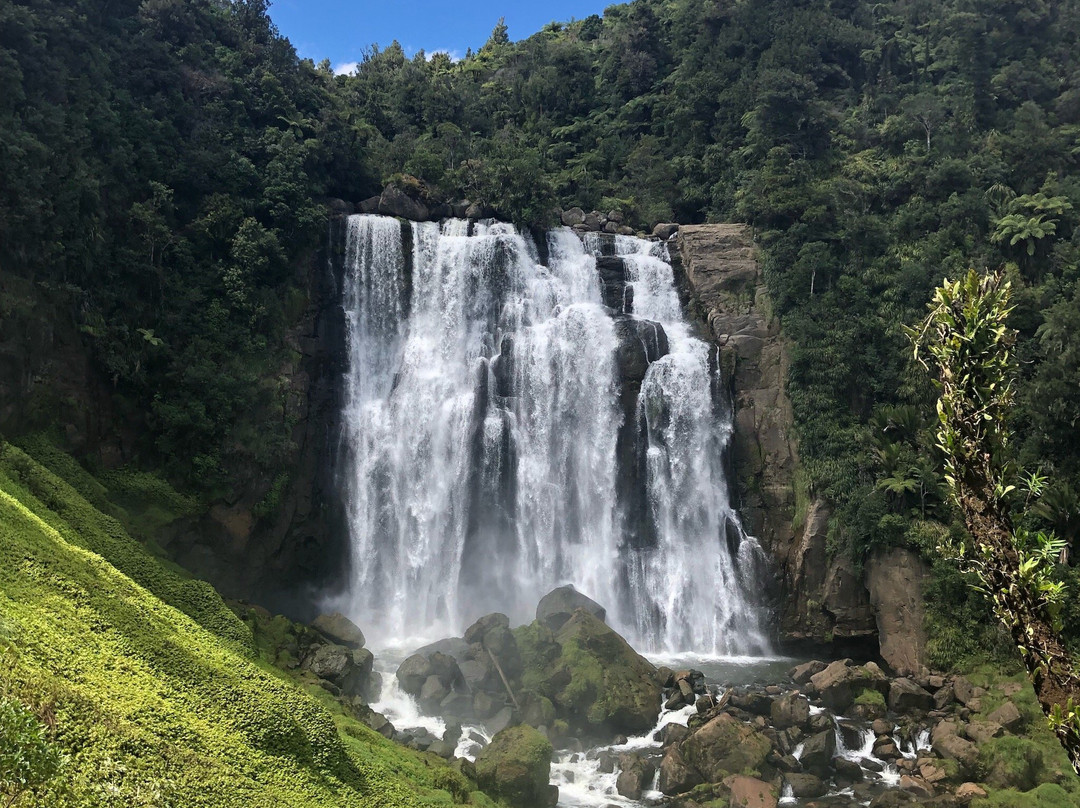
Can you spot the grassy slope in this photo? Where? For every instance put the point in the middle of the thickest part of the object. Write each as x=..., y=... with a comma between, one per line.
x=158, y=705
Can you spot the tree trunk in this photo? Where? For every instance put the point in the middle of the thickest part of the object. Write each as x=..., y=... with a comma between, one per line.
x=1046, y=659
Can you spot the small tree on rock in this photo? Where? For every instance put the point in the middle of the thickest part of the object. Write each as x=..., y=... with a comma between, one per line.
x=968, y=347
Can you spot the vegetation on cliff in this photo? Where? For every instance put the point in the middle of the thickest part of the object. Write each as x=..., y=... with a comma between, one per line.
x=873, y=148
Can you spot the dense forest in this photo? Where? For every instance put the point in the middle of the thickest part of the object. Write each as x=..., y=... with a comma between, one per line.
x=164, y=167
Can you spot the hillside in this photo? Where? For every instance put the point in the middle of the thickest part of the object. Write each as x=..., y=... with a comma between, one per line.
x=152, y=690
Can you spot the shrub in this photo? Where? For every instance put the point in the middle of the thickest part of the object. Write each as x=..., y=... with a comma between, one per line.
x=28, y=759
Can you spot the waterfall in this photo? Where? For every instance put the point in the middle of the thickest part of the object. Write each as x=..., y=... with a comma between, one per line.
x=512, y=426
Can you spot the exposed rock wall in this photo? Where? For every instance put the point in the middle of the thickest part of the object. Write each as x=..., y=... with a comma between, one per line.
x=727, y=286
x=826, y=599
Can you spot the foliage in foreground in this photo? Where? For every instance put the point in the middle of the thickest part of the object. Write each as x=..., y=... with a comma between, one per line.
x=150, y=707
x=969, y=347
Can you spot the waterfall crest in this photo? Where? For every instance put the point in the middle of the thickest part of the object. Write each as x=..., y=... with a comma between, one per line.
x=512, y=426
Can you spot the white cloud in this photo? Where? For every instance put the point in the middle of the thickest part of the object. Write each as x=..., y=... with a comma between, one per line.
x=455, y=55
x=345, y=68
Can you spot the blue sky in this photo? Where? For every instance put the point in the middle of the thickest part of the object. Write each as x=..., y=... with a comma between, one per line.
x=339, y=30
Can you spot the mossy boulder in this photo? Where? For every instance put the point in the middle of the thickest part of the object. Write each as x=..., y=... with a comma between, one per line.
x=725, y=746
x=516, y=767
x=592, y=676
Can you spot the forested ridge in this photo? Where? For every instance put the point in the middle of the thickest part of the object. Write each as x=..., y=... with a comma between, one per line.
x=163, y=167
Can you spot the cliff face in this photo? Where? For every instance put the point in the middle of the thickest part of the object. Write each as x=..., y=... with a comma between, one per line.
x=826, y=599
x=277, y=553
x=729, y=294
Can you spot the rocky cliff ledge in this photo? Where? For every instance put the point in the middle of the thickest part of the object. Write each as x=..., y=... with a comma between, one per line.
x=728, y=292
x=827, y=600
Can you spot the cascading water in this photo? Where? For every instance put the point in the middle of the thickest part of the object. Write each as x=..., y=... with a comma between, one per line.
x=511, y=427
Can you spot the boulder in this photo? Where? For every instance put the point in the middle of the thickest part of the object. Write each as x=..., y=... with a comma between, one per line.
x=432, y=693
x=476, y=211
x=749, y=792
x=370, y=205
x=982, y=731
x=516, y=767
x=338, y=628
x=329, y=662
x=725, y=746
x=801, y=674
x=676, y=775
x=905, y=697
x=1008, y=716
x=848, y=769
x=916, y=785
x=944, y=697
x=396, y=202
x=492, y=635
x=665, y=230
x=558, y=606
x=970, y=791
x=593, y=222
x=818, y=752
x=592, y=676
x=574, y=216
x=339, y=207
x=841, y=683
x=953, y=747
x=635, y=776
x=790, y=710
x=413, y=672
x=807, y=785
x=964, y=690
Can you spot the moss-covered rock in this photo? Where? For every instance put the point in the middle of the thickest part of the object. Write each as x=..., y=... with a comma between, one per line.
x=516, y=766
x=725, y=746
x=591, y=675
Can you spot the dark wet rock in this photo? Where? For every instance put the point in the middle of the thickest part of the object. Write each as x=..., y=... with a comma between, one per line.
x=848, y=769
x=370, y=205
x=818, y=752
x=635, y=776
x=558, y=606
x=906, y=697
x=806, y=785
x=790, y=710
x=676, y=775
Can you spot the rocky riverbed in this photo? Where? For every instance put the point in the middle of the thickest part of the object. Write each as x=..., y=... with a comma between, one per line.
x=564, y=712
